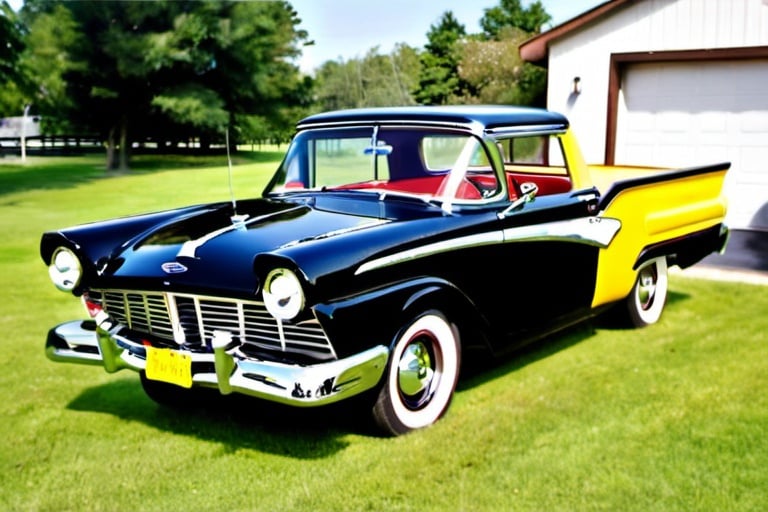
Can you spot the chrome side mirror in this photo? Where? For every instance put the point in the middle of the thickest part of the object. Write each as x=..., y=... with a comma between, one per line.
x=528, y=191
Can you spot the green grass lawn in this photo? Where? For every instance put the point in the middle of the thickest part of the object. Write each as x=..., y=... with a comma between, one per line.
x=672, y=417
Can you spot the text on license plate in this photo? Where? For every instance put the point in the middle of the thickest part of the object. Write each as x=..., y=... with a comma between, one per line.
x=170, y=366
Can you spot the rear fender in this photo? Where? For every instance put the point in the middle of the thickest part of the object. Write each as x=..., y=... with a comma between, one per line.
x=687, y=250
x=656, y=209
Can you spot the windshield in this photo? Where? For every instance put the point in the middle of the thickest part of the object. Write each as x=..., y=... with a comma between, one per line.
x=435, y=164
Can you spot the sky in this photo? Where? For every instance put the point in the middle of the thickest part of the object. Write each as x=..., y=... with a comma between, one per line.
x=347, y=29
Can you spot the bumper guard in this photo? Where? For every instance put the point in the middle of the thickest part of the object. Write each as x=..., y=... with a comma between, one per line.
x=105, y=343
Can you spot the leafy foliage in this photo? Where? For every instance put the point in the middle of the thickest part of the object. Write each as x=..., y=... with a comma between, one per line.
x=491, y=63
x=498, y=75
x=375, y=80
x=11, y=35
x=168, y=70
x=439, y=80
x=11, y=47
x=189, y=70
x=44, y=62
x=510, y=13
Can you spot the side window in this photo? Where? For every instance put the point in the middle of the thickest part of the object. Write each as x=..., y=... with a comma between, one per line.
x=538, y=153
x=537, y=159
x=442, y=153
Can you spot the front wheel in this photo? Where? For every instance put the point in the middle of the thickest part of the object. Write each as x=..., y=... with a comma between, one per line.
x=649, y=293
x=421, y=377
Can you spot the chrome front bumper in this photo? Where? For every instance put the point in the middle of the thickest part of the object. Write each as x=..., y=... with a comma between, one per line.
x=112, y=347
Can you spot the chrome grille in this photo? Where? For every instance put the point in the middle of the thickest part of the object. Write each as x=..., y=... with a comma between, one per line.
x=192, y=319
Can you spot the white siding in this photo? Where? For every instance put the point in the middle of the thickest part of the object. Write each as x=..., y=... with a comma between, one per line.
x=645, y=25
x=674, y=114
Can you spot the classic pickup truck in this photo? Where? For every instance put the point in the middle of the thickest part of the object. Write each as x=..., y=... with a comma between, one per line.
x=388, y=243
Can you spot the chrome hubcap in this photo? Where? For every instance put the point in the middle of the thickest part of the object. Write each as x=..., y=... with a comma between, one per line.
x=415, y=370
x=646, y=286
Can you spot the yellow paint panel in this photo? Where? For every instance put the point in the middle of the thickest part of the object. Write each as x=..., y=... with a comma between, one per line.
x=650, y=214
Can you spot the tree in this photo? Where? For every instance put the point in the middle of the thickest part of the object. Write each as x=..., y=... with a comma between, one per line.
x=12, y=46
x=375, y=80
x=510, y=13
x=491, y=64
x=176, y=69
x=241, y=54
x=44, y=62
x=439, y=80
x=12, y=80
x=498, y=75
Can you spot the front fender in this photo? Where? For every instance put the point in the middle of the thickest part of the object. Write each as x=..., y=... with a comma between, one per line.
x=96, y=240
x=356, y=323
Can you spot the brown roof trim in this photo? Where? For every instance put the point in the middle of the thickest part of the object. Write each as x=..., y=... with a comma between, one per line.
x=536, y=49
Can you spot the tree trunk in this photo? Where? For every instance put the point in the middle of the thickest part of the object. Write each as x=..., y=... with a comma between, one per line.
x=124, y=155
x=111, y=150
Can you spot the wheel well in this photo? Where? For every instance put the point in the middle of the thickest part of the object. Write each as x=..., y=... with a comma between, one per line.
x=458, y=310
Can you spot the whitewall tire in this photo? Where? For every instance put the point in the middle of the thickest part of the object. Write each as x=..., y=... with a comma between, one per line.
x=646, y=302
x=421, y=377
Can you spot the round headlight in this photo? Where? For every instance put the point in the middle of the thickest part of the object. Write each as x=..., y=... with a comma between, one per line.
x=65, y=269
x=282, y=294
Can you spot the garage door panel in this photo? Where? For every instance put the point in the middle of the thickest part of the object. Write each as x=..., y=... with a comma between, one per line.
x=754, y=163
x=698, y=113
x=754, y=121
x=713, y=123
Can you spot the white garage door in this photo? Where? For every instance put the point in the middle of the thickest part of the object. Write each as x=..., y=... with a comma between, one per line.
x=684, y=114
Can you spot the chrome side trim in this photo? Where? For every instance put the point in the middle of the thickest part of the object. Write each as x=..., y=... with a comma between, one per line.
x=493, y=237
x=594, y=231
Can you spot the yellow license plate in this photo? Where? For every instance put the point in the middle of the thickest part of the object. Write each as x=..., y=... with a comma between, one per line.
x=170, y=366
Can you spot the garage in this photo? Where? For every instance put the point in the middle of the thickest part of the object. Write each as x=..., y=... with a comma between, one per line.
x=670, y=83
x=700, y=112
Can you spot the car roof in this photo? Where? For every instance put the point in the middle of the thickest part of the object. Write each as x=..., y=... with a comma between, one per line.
x=467, y=116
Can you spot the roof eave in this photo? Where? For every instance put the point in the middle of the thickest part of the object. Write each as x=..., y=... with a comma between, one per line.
x=536, y=49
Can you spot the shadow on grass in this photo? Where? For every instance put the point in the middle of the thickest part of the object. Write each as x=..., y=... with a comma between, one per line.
x=236, y=422
x=611, y=320
x=478, y=369
x=241, y=422
x=51, y=173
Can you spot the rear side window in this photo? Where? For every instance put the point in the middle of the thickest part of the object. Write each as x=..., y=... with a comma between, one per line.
x=539, y=153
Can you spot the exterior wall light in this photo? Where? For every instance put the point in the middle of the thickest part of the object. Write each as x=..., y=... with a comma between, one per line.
x=576, y=85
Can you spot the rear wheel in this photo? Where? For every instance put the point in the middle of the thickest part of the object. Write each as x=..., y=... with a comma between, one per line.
x=649, y=294
x=421, y=377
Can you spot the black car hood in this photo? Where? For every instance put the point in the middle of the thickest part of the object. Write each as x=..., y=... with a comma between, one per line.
x=210, y=249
